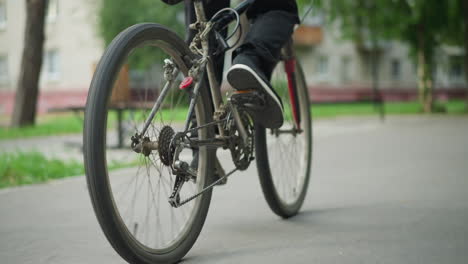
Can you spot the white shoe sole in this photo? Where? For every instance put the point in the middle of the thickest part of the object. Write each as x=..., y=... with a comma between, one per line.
x=242, y=77
x=265, y=86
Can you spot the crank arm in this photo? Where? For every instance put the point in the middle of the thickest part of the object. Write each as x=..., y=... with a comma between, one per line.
x=214, y=123
x=293, y=131
x=239, y=124
x=210, y=143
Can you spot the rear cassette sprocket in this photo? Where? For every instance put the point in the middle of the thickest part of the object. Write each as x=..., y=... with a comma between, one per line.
x=165, y=148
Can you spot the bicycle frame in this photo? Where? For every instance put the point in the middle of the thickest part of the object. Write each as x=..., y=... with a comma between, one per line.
x=204, y=27
x=224, y=113
x=206, y=66
x=288, y=57
x=213, y=83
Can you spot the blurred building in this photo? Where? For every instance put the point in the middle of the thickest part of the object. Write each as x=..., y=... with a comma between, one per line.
x=341, y=70
x=71, y=50
x=336, y=70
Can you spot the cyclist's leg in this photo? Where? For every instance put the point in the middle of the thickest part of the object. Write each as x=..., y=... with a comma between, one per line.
x=273, y=24
x=255, y=59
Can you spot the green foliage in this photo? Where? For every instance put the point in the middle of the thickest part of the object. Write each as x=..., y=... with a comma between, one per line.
x=396, y=19
x=412, y=21
x=117, y=15
x=423, y=24
x=456, y=22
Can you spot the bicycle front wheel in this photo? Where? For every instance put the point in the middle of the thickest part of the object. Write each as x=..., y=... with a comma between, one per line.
x=284, y=155
x=130, y=190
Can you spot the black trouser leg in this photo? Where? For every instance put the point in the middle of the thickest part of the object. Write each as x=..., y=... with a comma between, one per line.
x=273, y=23
x=268, y=34
x=264, y=6
x=272, y=26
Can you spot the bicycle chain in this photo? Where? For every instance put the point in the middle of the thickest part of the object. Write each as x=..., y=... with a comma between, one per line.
x=204, y=189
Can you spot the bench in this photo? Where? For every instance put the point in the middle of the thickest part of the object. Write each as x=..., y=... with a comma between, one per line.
x=118, y=108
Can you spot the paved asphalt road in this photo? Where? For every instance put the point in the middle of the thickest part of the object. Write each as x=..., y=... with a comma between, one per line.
x=380, y=193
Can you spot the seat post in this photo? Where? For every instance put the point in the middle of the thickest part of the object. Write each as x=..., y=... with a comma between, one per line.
x=199, y=10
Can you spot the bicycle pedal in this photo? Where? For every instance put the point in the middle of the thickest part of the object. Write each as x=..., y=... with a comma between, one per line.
x=250, y=99
x=244, y=91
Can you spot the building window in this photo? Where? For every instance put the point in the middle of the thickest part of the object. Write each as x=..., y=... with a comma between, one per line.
x=52, y=65
x=3, y=69
x=396, y=69
x=456, y=67
x=345, y=68
x=322, y=65
x=52, y=11
x=3, y=14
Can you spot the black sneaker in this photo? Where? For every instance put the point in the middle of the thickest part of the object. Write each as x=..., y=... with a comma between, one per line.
x=243, y=76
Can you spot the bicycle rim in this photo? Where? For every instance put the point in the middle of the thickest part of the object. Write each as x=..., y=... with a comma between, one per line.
x=138, y=186
x=284, y=158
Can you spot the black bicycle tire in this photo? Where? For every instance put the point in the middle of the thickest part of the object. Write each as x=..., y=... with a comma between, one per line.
x=94, y=149
x=263, y=167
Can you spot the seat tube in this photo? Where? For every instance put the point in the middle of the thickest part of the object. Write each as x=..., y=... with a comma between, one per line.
x=199, y=10
x=290, y=68
x=213, y=83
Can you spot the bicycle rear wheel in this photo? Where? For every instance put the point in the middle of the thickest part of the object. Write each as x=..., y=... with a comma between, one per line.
x=284, y=155
x=131, y=204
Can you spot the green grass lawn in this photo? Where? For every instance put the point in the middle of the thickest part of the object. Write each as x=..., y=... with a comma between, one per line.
x=391, y=108
x=49, y=125
x=23, y=168
x=33, y=167
x=65, y=124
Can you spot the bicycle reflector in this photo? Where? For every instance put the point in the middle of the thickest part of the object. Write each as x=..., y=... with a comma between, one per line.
x=186, y=83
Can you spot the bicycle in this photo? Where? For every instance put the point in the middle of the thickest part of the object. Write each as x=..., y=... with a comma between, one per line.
x=154, y=212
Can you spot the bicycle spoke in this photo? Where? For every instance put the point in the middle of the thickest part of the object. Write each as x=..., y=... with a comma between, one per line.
x=141, y=194
x=286, y=152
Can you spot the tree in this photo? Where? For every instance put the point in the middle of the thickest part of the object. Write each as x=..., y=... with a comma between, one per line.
x=457, y=30
x=24, y=112
x=117, y=15
x=426, y=22
x=419, y=23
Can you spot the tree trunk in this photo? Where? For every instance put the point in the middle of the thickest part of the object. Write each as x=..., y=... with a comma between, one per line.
x=425, y=84
x=465, y=21
x=24, y=112
x=424, y=74
x=378, y=100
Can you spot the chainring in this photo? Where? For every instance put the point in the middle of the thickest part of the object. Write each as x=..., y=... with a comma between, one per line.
x=242, y=152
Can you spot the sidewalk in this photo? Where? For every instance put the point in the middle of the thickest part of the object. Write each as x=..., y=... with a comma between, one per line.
x=70, y=146
x=379, y=193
